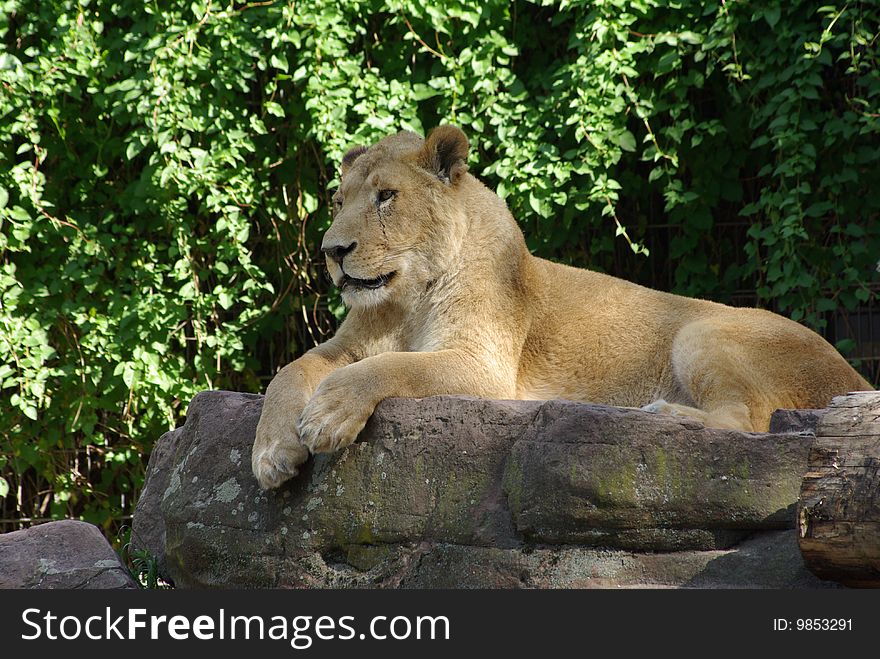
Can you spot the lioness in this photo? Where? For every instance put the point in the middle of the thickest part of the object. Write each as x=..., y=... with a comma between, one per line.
x=445, y=298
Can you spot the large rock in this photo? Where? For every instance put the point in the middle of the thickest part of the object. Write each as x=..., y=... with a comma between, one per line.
x=66, y=554
x=461, y=492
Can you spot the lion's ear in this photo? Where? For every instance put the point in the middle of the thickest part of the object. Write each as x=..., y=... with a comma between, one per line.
x=445, y=152
x=349, y=158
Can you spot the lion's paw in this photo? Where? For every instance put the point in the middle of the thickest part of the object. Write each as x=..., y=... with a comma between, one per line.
x=278, y=461
x=333, y=418
x=659, y=406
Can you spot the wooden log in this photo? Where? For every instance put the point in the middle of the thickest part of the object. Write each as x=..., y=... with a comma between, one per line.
x=839, y=507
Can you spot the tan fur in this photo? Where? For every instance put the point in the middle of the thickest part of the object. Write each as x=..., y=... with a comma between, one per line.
x=471, y=311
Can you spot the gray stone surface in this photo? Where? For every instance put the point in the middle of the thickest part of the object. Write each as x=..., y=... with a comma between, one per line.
x=802, y=421
x=67, y=554
x=766, y=560
x=462, y=492
x=612, y=476
x=148, y=527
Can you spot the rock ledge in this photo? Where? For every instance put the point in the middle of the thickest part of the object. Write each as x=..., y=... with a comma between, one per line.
x=463, y=492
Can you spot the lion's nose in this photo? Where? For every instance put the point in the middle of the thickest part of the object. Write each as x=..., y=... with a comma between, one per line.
x=338, y=252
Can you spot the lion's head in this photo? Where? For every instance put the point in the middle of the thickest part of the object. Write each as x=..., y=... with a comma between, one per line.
x=396, y=224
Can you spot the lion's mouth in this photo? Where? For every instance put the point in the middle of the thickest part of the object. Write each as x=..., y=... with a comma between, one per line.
x=368, y=284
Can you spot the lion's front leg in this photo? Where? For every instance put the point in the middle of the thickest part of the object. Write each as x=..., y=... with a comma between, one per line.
x=278, y=451
x=338, y=411
x=342, y=404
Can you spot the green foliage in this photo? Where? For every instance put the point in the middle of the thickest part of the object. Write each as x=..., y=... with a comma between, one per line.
x=164, y=176
x=144, y=568
x=142, y=565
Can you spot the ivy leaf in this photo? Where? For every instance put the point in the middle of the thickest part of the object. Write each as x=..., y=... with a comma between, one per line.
x=626, y=141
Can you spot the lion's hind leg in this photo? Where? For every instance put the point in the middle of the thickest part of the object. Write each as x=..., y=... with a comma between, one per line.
x=719, y=377
x=732, y=415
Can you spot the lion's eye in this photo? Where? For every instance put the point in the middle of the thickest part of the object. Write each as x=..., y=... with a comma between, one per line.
x=337, y=203
x=385, y=195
